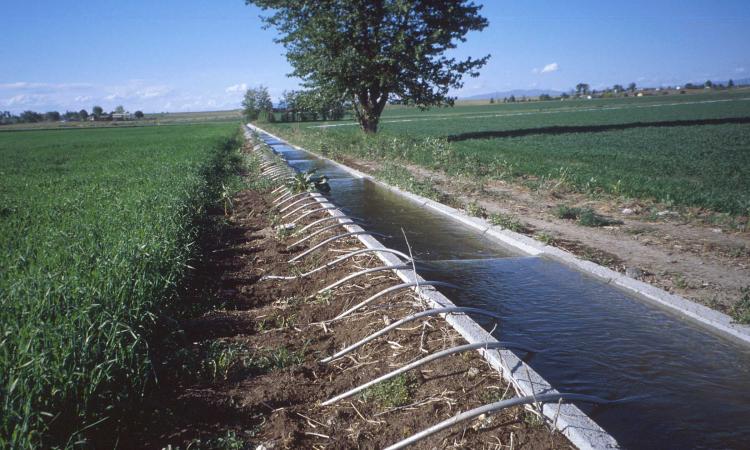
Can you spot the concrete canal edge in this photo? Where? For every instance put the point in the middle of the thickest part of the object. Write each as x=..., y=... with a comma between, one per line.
x=712, y=321
x=580, y=429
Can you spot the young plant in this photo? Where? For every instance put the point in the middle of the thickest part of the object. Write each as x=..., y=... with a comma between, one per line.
x=392, y=393
x=508, y=222
x=740, y=312
x=476, y=210
x=585, y=216
x=308, y=182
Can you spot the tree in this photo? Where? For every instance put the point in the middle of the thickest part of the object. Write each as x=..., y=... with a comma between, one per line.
x=631, y=87
x=265, y=105
x=52, y=116
x=730, y=84
x=138, y=114
x=370, y=51
x=289, y=98
x=6, y=118
x=492, y=100
x=709, y=84
x=71, y=115
x=31, y=117
x=257, y=104
x=249, y=106
x=84, y=114
x=97, y=111
x=582, y=88
x=618, y=88
x=120, y=109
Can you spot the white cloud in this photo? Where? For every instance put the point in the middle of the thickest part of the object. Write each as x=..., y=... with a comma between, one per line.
x=242, y=87
x=25, y=101
x=549, y=68
x=740, y=70
x=153, y=91
x=26, y=85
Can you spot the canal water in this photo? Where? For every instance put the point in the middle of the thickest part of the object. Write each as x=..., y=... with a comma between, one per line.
x=692, y=387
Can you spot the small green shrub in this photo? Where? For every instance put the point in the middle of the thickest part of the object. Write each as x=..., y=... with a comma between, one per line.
x=508, y=222
x=392, y=393
x=567, y=212
x=476, y=210
x=585, y=216
x=740, y=312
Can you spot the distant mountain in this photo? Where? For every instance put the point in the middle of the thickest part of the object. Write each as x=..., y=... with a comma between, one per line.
x=515, y=92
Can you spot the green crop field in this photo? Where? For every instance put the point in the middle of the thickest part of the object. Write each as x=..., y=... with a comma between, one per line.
x=687, y=150
x=97, y=227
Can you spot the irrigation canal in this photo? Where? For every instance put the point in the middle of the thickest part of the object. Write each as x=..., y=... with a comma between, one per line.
x=692, y=387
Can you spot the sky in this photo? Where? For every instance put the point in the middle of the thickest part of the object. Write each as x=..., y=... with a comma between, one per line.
x=191, y=55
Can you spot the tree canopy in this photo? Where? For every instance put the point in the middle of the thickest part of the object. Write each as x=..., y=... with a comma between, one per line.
x=370, y=51
x=257, y=104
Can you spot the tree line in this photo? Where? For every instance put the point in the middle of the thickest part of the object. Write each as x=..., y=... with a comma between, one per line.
x=97, y=113
x=295, y=106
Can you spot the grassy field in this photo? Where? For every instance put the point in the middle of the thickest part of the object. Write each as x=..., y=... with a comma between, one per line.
x=683, y=150
x=97, y=229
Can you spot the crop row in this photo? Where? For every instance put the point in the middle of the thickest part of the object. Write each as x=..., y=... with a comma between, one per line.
x=97, y=230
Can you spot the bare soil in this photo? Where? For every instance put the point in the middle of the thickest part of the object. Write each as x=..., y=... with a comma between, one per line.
x=697, y=254
x=218, y=399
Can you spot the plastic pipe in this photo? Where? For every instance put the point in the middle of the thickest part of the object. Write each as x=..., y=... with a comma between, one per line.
x=388, y=291
x=398, y=323
x=420, y=362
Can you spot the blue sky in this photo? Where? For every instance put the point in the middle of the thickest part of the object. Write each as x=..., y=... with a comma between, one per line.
x=195, y=55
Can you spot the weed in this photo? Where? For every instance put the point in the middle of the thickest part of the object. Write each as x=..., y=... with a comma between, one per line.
x=280, y=358
x=546, y=238
x=740, y=312
x=739, y=251
x=680, y=282
x=324, y=297
x=507, y=221
x=226, y=441
x=492, y=394
x=476, y=210
x=585, y=216
x=283, y=232
x=226, y=199
x=308, y=182
x=567, y=212
x=223, y=360
x=392, y=393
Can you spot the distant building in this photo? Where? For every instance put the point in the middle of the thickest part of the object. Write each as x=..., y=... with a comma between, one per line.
x=102, y=117
x=121, y=116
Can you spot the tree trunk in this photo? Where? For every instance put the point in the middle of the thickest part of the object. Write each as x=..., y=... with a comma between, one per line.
x=368, y=107
x=369, y=124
